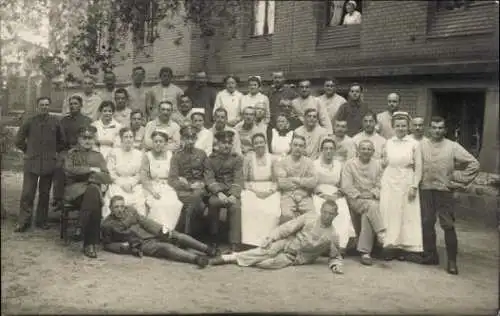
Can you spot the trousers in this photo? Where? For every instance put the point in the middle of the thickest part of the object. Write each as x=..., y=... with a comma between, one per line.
x=193, y=207
x=166, y=248
x=234, y=218
x=438, y=204
x=30, y=182
x=291, y=208
x=90, y=206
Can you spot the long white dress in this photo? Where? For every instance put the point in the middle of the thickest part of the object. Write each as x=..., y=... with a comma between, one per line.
x=259, y=216
x=124, y=168
x=328, y=183
x=401, y=217
x=167, y=209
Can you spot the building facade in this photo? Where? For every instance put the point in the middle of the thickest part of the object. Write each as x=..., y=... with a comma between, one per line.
x=441, y=56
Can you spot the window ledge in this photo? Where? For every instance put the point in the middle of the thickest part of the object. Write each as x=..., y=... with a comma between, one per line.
x=440, y=35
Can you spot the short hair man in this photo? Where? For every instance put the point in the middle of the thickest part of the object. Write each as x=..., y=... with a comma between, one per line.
x=164, y=91
x=361, y=185
x=297, y=242
x=86, y=173
x=439, y=181
x=330, y=99
x=307, y=101
x=137, y=91
x=417, y=128
x=127, y=232
x=313, y=132
x=41, y=138
x=280, y=95
x=297, y=180
x=165, y=124
x=369, y=133
x=385, y=118
x=224, y=179
x=246, y=129
x=122, y=109
x=353, y=110
x=202, y=96
x=186, y=176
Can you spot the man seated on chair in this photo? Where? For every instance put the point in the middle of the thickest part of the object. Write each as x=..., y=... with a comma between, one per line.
x=126, y=232
x=86, y=174
x=297, y=242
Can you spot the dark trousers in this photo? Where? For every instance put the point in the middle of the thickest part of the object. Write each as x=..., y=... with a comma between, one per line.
x=167, y=248
x=193, y=207
x=90, y=205
x=30, y=182
x=58, y=184
x=233, y=218
x=438, y=204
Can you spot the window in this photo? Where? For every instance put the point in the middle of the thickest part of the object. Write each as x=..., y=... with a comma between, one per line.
x=263, y=17
x=453, y=4
x=336, y=11
x=143, y=28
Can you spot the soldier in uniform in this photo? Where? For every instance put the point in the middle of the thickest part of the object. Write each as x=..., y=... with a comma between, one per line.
x=127, y=232
x=86, y=175
x=224, y=180
x=186, y=177
x=40, y=138
x=71, y=125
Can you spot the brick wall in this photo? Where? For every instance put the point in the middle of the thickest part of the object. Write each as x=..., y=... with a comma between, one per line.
x=393, y=32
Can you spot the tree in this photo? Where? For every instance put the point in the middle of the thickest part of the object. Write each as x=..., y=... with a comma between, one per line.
x=89, y=32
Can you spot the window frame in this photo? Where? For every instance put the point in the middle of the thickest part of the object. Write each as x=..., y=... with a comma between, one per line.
x=328, y=13
x=266, y=19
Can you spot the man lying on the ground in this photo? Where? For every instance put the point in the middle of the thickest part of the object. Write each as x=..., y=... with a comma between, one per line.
x=297, y=242
x=126, y=232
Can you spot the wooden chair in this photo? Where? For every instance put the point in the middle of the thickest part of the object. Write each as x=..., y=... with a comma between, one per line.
x=70, y=218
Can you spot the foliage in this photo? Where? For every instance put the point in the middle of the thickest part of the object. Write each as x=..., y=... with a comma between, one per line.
x=91, y=32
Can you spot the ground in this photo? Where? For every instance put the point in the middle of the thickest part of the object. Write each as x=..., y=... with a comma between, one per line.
x=41, y=275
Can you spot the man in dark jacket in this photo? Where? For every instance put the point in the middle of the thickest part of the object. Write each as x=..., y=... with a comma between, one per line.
x=202, y=96
x=86, y=176
x=127, y=232
x=186, y=177
x=71, y=125
x=224, y=180
x=40, y=138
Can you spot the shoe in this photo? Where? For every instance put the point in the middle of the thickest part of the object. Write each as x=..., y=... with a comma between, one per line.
x=366, y=259
x=89, y=251
x=213, y=252
x=337, y=269
x=414, y=257
x=21, y=228
x=431, y=259
x=452, y=267
x=217, y=261
x=201, y=261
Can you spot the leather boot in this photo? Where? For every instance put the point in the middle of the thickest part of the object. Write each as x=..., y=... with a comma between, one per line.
x=452, y=267
x=201, y=261
x=89, y=251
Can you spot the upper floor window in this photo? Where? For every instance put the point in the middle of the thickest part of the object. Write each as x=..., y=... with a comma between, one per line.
x=143, y=33
x=263, y=17
x=343, y=12
x=453, y=4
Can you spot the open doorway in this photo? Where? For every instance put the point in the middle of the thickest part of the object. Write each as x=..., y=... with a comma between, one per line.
x=464, y=114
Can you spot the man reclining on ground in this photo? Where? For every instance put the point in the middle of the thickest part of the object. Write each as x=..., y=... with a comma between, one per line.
x=126, y=232
x=299, y=241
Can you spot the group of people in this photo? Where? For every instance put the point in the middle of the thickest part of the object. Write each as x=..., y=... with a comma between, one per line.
x=287, y=173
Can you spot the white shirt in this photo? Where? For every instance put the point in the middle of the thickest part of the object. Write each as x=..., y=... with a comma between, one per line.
x=353, y=18
x=332, y=104
x=231, y=102
x=377, y=140
x=251, y=100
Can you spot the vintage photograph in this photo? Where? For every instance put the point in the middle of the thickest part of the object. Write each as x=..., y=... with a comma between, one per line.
x=334, y=157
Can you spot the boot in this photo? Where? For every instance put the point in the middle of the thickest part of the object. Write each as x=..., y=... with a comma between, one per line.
x=452, y=267
x=89, y=251
x=201, y=261
x=366, y=259
x=217, y=261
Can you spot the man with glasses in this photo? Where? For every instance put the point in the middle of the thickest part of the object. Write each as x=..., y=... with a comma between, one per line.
x=306, y=101
x=40, y=138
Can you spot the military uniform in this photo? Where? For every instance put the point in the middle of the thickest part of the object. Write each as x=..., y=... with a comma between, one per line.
x=188, y=164
x=70, y=124
x=84, y=189
x=132, y=233
x=40, y=138
x=224, y=174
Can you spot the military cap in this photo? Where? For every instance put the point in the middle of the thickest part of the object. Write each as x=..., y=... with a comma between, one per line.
x=88, y=130
x=224, y=136
x=188, y=131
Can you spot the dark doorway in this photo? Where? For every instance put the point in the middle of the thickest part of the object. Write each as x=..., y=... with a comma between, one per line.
x=464, y=114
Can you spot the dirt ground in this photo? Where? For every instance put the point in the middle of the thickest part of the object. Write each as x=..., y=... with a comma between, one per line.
x=41, y=275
